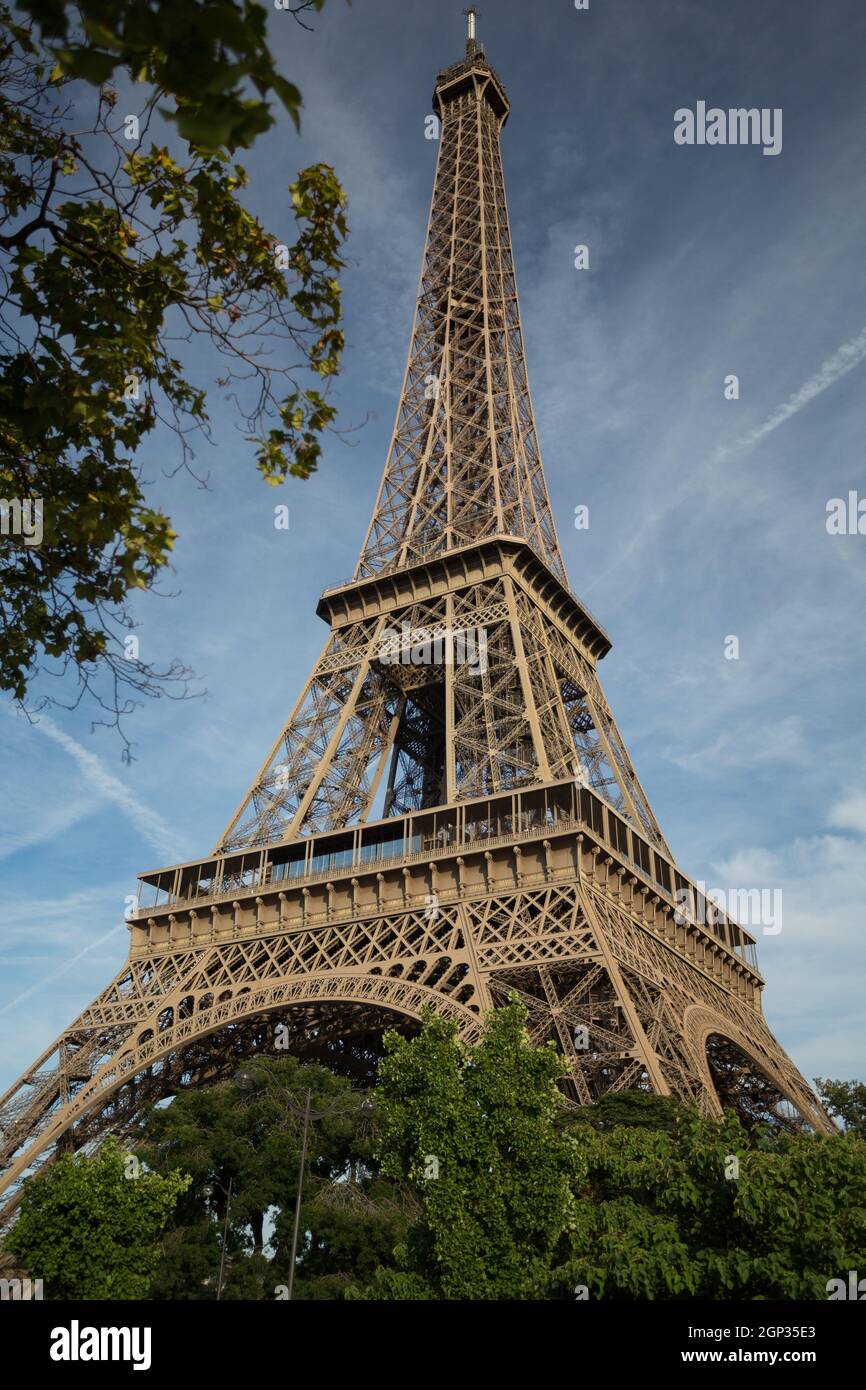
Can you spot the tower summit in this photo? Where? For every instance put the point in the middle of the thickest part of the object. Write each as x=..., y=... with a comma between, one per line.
x=450, y=813
x=470, y=31
x=464, y=462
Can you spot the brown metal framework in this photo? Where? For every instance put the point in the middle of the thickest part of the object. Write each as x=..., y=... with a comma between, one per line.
x=450, y=813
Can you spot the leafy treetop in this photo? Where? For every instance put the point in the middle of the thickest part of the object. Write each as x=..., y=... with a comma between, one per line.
x=118, y=252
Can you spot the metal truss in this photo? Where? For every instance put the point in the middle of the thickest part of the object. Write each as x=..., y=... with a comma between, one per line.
x=459, y=667
x=464, y=461
x=602, y=971
x=525, y=707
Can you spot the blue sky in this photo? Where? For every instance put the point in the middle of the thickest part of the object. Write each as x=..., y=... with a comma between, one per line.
x=707, y=516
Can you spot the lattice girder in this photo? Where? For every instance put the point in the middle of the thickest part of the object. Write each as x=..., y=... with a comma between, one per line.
x=464, y=461
x=476, y=689
x=545, y=872
x=622, y=1003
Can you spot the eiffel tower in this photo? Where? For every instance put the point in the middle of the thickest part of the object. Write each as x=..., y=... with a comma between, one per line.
x=450, y=814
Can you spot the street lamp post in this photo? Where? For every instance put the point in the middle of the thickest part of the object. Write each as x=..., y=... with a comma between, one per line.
x=225, y=1238
x=300, y=1191
x=310, y=1116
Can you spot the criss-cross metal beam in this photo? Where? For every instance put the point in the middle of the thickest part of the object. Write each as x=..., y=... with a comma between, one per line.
x=459, y=671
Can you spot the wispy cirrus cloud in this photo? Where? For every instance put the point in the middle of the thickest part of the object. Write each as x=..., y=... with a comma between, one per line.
x=149, y=824
x=696, y=481
x=842, y=361
x=59, y=971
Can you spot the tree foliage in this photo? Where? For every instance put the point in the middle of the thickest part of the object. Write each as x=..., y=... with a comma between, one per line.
x=474, y=1130
x=245, y=1137
x=203, y=55
x=127, y=261
x=846, y=1101
x=466, y=1178
x=89, y=1231
x=637, y=1197
x=712, y=1211
x=631, y=1110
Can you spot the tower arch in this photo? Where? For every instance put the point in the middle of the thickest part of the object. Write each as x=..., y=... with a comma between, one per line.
x=210, y=1042
x=742, y=1075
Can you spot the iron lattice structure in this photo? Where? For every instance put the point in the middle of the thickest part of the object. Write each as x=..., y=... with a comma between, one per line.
x=450, y=814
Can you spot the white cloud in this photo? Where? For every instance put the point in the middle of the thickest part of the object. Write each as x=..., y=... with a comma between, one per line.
x=148, y=823
x=814, y=966
x=849, y=813
x=58, y=952
x=781, y=742
x=62, y=969
x=843, y=360
x=31, y=820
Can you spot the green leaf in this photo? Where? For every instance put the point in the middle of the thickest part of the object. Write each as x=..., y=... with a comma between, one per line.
x=91, y=64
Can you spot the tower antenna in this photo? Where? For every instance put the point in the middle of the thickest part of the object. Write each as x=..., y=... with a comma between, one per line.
x=471, y=45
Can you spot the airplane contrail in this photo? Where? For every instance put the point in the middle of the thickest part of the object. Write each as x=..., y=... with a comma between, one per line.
x=848, y=356
x=61, y=970
x=147, y=822
x=843, y=360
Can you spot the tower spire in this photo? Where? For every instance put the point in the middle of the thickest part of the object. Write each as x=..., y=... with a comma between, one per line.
x=470, y=14
x=464, y=461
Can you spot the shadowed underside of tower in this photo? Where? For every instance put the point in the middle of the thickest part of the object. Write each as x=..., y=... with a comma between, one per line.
x=450, y=814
